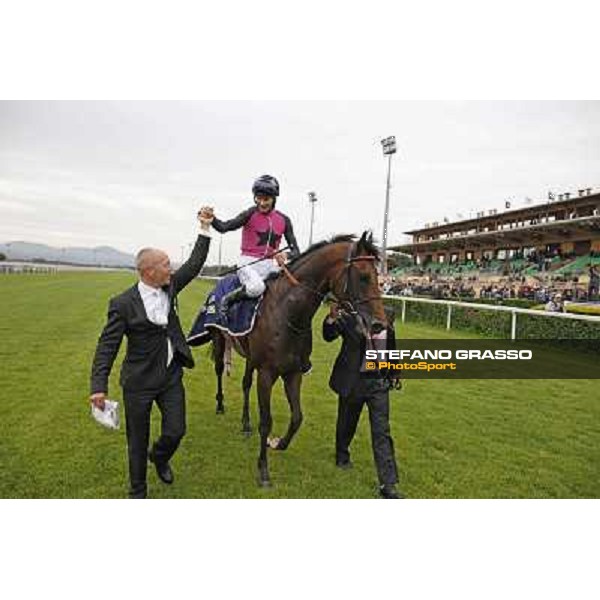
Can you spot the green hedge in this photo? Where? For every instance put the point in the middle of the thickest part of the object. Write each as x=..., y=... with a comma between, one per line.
x=569, y=333
x=515, y=302
x=422, y=312
x=490, y=323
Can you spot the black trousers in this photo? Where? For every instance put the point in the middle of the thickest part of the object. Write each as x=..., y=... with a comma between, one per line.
x=376, y=397
x=170, y=399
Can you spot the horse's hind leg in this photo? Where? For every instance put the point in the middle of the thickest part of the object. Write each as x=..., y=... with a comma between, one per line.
x=246, y=387
x=219, y=354
x=265, y=382
x=292, y=383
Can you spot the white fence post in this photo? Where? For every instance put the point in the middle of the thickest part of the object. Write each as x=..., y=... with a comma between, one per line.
x=513, y=326
x=403, y=310
x=449, y=317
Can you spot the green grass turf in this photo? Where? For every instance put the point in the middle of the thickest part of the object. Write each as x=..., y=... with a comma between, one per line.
x=454, y=439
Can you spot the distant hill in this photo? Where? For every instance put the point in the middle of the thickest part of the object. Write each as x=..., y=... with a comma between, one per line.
x=102, y=255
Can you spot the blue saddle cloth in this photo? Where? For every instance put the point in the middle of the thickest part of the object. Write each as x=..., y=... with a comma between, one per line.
x=240, y=318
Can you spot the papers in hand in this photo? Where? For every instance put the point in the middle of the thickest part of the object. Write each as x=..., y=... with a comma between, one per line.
x=109, y=417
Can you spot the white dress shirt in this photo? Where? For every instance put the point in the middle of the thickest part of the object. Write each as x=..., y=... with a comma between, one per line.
x=156, y=303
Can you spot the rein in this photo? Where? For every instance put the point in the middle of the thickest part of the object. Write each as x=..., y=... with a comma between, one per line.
x=289, y=276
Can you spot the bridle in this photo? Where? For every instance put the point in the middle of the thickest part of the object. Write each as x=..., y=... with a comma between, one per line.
x=350, y=260
x=353, y=300
x=350, y=302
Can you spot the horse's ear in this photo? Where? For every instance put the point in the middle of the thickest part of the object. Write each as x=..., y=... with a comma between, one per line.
x=363, y=238
x=370, y=237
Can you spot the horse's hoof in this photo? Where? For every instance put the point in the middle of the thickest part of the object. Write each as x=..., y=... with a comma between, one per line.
x=247, y=433
x=281, y=446
x=220, y=410
x=264, y=483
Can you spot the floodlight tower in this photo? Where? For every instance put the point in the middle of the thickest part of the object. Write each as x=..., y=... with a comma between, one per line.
x=389, y=148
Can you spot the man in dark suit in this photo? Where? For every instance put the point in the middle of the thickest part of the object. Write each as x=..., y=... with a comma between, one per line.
x=355, y=391
x=156, y=352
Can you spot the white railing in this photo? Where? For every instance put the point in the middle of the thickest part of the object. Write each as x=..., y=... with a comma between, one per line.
x=514, y=311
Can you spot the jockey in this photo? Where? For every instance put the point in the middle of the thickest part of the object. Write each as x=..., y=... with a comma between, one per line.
x=262, y=229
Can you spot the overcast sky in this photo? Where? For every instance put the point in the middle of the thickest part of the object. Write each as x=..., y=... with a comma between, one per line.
x=131, y=174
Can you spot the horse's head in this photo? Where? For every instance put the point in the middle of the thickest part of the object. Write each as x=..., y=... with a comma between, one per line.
x=356, y=286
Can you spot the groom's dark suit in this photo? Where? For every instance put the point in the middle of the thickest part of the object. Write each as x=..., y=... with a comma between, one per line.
x=145, y=376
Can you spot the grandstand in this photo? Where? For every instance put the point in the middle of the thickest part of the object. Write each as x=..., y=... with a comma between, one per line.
x=550, y=244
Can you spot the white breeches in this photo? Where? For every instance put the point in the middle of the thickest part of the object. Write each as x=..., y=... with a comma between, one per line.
x=253, y=276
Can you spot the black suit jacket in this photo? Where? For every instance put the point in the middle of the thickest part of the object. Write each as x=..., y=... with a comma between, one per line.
x=345, y=378
x=145, y=363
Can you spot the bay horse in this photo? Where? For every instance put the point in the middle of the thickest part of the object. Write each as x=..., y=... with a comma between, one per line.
x=281, y=341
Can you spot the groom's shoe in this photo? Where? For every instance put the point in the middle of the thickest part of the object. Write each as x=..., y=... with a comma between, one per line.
x=163, y=470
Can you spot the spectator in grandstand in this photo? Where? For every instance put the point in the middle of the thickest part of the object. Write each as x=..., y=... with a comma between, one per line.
x=556, y=304
x=594, y=283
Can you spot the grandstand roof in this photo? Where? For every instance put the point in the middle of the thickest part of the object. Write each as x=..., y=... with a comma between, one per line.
x=517, y=213
x=539, y=233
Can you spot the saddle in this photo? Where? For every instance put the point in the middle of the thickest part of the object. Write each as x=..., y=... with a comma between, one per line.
x=239, y=320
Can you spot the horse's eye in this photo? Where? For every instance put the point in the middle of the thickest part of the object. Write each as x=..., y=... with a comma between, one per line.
x=364, y=279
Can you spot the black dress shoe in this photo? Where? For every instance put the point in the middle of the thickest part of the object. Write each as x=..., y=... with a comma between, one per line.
x=138, y=491
x=138, y=495
x=389, y=492
x=163, y=470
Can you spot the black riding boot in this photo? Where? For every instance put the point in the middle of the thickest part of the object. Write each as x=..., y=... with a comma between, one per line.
x=231, y=297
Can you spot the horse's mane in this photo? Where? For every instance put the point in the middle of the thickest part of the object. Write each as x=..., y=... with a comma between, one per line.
x=369, y=246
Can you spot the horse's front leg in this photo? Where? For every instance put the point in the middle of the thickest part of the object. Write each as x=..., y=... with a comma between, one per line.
x=219, y=356
x=246, y=387
x=292, y=383
x=265, y=381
